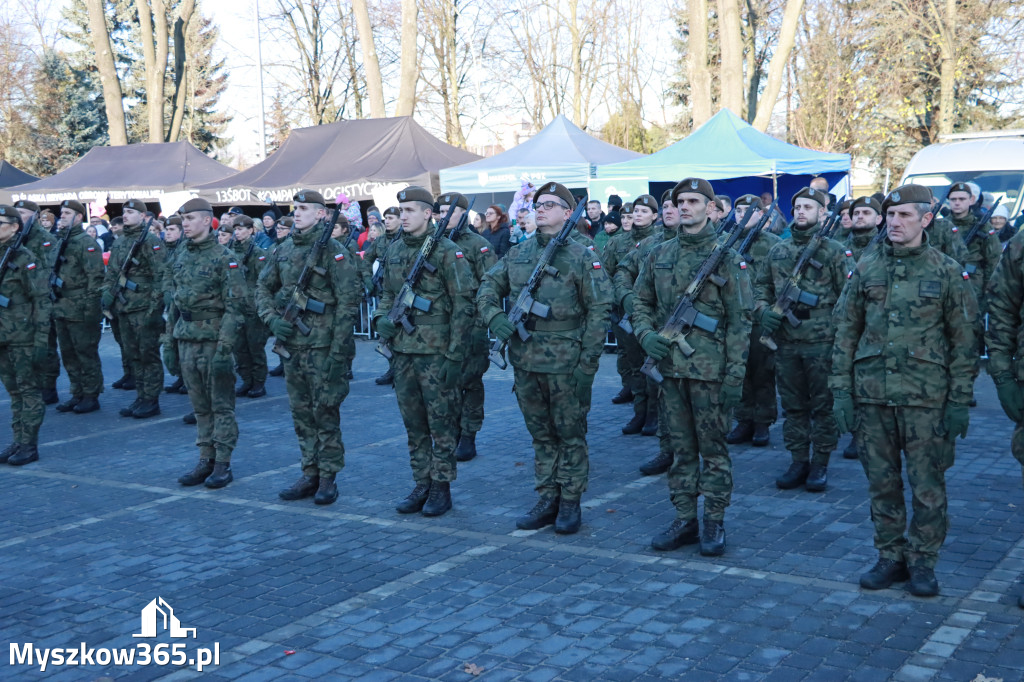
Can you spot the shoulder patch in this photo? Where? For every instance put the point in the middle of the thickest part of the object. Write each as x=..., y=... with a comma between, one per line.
x=232, y=264
x=32, y=266
x=156, y=247
x=339, y=256
x=459, y=254
x=591, y=248
x=48, y=243
x=262, y=258
x=849, y=253
x=743, y=265
x=597, y=265
x=849, y=274
x=955, y=229
x=991, y=232
x=484, y=249
x=91, y=249
x=965, y=275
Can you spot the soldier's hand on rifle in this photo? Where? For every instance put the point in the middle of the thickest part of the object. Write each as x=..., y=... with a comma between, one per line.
x=770, y=321
x=627, y=303
x=956, y=419
x=731, y=394
x=170, y=353
x=106, y=300
x=842, y=410
x=656, y=345
x=502, y=327
x=281, y=328
x=386, y=329
x=584, y=382
x=1011, y=397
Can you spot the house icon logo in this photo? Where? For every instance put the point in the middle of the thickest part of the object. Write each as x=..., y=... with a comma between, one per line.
x=159, y=611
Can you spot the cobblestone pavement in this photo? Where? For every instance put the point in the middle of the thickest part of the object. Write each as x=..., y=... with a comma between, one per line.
x=99, y=527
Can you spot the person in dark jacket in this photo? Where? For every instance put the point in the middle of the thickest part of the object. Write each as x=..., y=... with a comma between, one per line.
x=497, y=230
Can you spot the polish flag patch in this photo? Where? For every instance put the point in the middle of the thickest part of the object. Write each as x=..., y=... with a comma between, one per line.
x=232, y=265
x=338, y=257
x=91, y=249
x=484, y=249
x=966, y=276
x=46, y=243
x=743, y=265
x=955, y=230
x=156, y=248
x=459, y=254
x=262, y=258
x=591, y=248
x=991, y=231
x=32, y=266
x=849, y=274
x=849, y=253
x=597, y=266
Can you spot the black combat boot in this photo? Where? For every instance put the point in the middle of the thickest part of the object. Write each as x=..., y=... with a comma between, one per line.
x=189, y=418
x=6, y=453
x=623, y=396
x=349, y=375
x=635, y=425
x=712, y=539
x=130, y=410
x=302, y=488
x=851, y=451
x=884, y=574
x=221, y=475
x=542, y=514
x=795, y=476
x=1020, y=599
x=327, y=491
x=440, y=499
x=681, y=532
x=817, y=478
x=120, y=382
x=258, y=390
x=203, y=469
x=178, y=384
x=466, y=449
x=760, y=437
x=24, y=455
x=277, y=371
x=651, y=422
x=89, y=403
x=741, y=433
x=415, y=500
x=923, y=582
x=385, y=379
x=146, y=409
x=50, y=395
x=70, y=404
x=244, y=389
x=569, y=517
x=658, y=464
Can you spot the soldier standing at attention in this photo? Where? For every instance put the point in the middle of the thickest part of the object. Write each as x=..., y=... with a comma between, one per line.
x=316, y=365
x=373, y=259
x=41, y=242
x=554, y=369
x=251, y=346
x=24, y=327
x=207, y=294
x=140, y=312
x=470, y=400
x=904, y=363
x=805, y=351
x=172, y=240
x=698, y=390
x=982, y=253
x=76, y=309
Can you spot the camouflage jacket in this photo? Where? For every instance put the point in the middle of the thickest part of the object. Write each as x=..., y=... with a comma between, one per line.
x=481, y=259
x=943, y=235
x=621, y=243
x=983, y=253
x=445, y=329
x=147, y=271
x=580, y=298
x=82, y=271
x=826, y=283
x=1005, y=335
x=208, y=293
x=757, y=256
x=335, y=283
x=629, y=267
x=664, y=274
x=858, y=242
x=375, y=252
x=905, y=330
x=251, y=259
x=42, y=243
x=26, y=319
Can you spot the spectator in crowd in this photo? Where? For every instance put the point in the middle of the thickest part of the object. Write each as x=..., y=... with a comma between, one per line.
x=596, y=218
x=350, y=209
x=498, y=231
x=1000, y=222
x=265, y=238
x=47, y=219
x=610, y=227
x=91, y=230
x=478, y=223
x=529, y=225
x=523, y=198
x=615, y=203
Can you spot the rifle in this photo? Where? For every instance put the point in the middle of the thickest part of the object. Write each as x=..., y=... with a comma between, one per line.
x=685, y=316
x=748, y=241
x=300, y=301
x=378, y=277
x=56, y=283
x=972, y=234
x=12, y=250
x=463, y=221
x=526, y=304
x=130, y=259
x=728, y=223
x=406, y=300
x=791, y=293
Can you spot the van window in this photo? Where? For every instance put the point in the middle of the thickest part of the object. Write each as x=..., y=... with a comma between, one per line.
x=1006, y=186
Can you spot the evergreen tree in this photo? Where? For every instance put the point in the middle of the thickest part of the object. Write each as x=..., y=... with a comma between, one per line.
x=203, y=125
x=279, y=124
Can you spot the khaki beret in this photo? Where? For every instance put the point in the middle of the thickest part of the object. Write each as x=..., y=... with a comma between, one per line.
x=557, y=190
x=75, y=206
x=243, y=221
x=342, y=221
x=308, y=196
x=174, y=219
x=812, y=194
x=627, y=208
x=748, y=199
x=696, y=185
x=135, y=205
x=866, y=202
x=908, y=194
x=393, y=210
x=196, y=204
x=10, y=212
x=648, y=201
x=666, y=196
x=26, y=204
x=414, y=193
x=453, y=198
x=846, y=205
x=286, y=221
x=960, y=187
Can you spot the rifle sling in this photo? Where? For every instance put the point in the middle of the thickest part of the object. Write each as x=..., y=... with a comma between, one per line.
x=535, y=324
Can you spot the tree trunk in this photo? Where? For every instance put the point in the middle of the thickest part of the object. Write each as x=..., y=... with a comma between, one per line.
x=731, y=70
x=700, y=74
x=752, y=79
x=947, y=68
x=409, y=66
x=371, y=65
x=178, y=104
x=773, y=84
x=153, y=26
x=112, y=95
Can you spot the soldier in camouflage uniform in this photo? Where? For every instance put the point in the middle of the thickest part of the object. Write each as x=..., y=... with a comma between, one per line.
x=251, y=345
x=701, y=389
x=317, y=365
x=76, y=310
x=982, y=253
x=555, y=367
x=207, y=294
x=24, y=327
x=845, y=220
x=41, y=242
x=804, y=356
x=172, y=240
x=428, y=360
x=903, y=371
x=373, y=260
x=1005, y=338
x=140, y=311
x=758, y=408
x=282, y=232
x=470, y=411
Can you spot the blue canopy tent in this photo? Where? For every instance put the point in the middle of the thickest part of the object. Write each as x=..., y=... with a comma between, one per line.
x=735, y=157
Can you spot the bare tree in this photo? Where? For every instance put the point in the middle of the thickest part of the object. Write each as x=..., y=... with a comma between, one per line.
x=731, y=69
x=108, y=73
x=699, y=71
x=371, y=65
x=410, y=63
x=153, y=26
x=181, y=24
x=773, y=84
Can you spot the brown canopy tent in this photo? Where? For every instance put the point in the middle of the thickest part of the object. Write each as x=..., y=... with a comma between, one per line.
x=10, y=176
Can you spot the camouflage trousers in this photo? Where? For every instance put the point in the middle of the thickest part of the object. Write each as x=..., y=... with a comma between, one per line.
x=115, y=327
x=471, y=385
x=21, y=380
x=251, y=351
x=315, y=410
x=883, y=433
x=52, y=369
x=80, y=351
x=557, y=421
x=140, y=340
x=211, y=391
x=758, y=405
x=629, y=364
x=802, y=372
x=429, y=412
x=696, y=427
x=1017, y=447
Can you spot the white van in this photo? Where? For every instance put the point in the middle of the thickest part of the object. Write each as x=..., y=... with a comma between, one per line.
x=995, y=161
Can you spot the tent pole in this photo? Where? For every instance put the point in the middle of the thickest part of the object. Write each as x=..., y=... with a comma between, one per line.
x=259, y=76
x=775, y=181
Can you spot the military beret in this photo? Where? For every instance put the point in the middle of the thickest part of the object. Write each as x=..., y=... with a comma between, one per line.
x=627, y=208
x=414, y=193
x=846, y=205
x=174, y=219
x=960, y=187
x=866, y=202
x=26, y=204
x=666, y=196
x=243, y=221
x=286, y=221
x=748, y=199
x=557, y=190
x=697, y=185
x=453, y=198
x=196, y=204
x=342, y=221
x=75, y=206
x=393, y=210
x=135, y=205
x=10, y=212
x=308, y=196
x=812, y=194
x=908, y=194
x=648, y=201
x=720, y=205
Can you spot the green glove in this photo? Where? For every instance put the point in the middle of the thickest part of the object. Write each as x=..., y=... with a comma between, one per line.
x=222, y=360
x=770, y=321
x=451, y=372
x=731, y=394
x=656, y=346
x=956, y=419
x=386, y=329
x=627, y=303
x=39, y=354
x=842, y=410
x=584, y=382
x=1011, y=398
x=171, y=359
x=106, y=300
x=337, y=380
x=281, y=328
x=502, y=327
